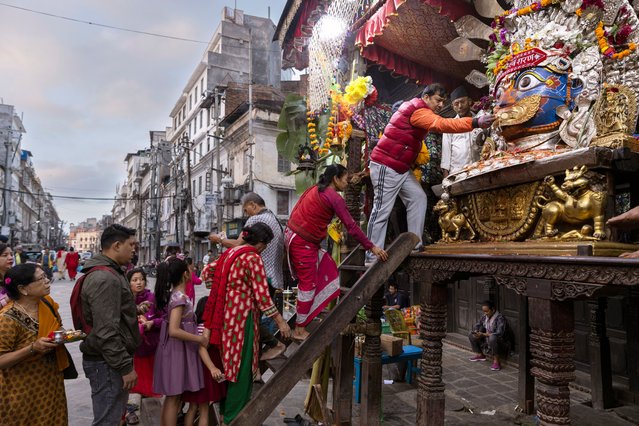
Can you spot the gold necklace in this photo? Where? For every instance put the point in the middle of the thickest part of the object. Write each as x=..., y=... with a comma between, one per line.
x=25, y=311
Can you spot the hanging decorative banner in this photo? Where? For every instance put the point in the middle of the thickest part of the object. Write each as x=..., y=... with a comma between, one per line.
x=526, y=59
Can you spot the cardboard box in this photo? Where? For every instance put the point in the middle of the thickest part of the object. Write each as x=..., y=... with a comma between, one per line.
x=393, y=346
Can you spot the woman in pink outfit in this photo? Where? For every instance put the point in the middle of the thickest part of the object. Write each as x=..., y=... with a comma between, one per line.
x=193, y=281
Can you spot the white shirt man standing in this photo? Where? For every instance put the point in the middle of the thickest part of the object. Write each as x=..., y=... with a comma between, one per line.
x=207, y=257
x=460, y=149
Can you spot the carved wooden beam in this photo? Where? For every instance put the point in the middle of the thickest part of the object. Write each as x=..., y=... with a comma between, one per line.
x=583, y=270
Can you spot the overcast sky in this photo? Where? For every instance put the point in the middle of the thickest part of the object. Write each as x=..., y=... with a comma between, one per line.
x=90, y=94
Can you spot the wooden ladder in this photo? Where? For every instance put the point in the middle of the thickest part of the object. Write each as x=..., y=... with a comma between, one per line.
x=285, y=378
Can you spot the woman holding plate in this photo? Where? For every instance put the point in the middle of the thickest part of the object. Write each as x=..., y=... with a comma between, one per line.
x=31, y=364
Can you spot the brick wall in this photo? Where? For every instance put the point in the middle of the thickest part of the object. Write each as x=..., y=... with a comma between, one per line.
x=236, y=93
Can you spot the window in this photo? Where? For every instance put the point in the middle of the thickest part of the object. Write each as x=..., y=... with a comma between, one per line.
x=201, y=86
x=199, y=185
x=190, y=101
x=193, y=187
x=194, y=124
x=283, y=165
x=201, y=118
x=283, y=199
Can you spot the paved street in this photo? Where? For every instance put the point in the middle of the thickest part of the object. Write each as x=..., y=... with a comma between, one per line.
x=475, y=395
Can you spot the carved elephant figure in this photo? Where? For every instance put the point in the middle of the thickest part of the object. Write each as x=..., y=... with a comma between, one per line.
x=451, y=221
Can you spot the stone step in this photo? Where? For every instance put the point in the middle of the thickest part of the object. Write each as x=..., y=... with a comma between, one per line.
x=150, y=411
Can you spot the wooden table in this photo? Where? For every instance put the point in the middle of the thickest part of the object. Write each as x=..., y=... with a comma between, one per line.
x=547, y=287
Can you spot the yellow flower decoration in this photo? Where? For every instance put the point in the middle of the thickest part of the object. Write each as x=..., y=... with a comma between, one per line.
x=357, y=90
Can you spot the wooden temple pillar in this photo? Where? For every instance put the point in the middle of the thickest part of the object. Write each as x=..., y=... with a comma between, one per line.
x=552, y=346
x=632, y=338
x=371, y=402
x=345, y=344
x=599, y=351
x=526, y=382
x=431, y=402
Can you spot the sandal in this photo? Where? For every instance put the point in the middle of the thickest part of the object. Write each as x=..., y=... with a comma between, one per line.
x=132, y=418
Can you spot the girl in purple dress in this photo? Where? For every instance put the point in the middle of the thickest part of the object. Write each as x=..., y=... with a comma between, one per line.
x=177, y=364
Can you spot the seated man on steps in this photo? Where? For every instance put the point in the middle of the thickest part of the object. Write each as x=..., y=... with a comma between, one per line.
x=395, y=299
x=489, y=336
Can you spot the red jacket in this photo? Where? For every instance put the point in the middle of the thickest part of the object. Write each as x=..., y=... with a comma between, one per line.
x=311, y=216
x=402, y=140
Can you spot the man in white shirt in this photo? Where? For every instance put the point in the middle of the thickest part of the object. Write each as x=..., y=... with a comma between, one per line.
x=207, y=257
x=460, y=149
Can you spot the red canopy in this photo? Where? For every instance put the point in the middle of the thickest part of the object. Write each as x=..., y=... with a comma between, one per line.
x=407, y=37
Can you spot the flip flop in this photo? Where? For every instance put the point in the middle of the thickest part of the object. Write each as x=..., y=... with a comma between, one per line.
x=298, y=339
x=132, y=419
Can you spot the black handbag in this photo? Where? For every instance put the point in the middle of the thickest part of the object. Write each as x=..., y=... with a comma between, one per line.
x=70, y=372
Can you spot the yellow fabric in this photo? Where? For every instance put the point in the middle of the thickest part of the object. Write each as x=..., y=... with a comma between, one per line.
x=48, y=323
x=422, y=158
x=33, y=389
x=335, y=231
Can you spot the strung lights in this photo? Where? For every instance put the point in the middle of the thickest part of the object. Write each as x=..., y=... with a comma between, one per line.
x=330, y=28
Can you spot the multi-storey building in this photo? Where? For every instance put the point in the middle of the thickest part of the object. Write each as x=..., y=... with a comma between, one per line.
x=28, y=214
x=85, y=236
x=235, y=84
x=137, y=202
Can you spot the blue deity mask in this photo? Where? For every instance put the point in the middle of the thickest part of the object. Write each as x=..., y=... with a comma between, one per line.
x=527, y=100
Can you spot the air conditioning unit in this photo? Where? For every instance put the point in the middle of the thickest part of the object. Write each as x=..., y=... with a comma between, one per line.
x=237, y=195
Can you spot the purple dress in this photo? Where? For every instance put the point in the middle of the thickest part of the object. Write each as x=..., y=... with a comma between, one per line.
x=177, y=363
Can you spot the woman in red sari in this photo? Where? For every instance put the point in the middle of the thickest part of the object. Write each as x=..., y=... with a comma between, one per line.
x=72, y=261
x=307, y=227
x=239, y=295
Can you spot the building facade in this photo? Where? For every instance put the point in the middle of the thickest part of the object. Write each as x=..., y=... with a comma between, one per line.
x=237, y=83
x=28, y=214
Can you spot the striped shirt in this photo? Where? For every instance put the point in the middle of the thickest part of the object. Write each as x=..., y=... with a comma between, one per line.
x=273, y=254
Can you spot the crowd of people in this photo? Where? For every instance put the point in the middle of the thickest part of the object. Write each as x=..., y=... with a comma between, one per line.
x=160, y=342
x=156, y=343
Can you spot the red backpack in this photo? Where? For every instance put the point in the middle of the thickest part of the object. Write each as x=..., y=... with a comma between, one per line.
x=76, y=302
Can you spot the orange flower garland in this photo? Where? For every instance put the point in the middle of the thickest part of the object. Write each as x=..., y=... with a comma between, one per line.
x=602, y=40
x=606, y=49
x=312, y=130
x=530, y=8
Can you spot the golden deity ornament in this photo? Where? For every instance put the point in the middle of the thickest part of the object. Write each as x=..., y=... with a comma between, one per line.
x=452, y=222
x=580, y=203
x=614, y=117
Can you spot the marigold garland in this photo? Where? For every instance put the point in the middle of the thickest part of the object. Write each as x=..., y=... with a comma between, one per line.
x=606, y=49
x=602, y=36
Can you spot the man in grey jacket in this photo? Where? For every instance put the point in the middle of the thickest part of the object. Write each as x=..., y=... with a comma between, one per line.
x=109, y=307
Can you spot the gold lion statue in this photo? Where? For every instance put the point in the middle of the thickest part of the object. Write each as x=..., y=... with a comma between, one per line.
x=452, y=221
x=577, y=203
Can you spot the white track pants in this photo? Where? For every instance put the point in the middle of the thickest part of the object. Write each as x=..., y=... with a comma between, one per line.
x=387, y=185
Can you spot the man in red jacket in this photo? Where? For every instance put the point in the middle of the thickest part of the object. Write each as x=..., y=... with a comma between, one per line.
x=395, y=153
